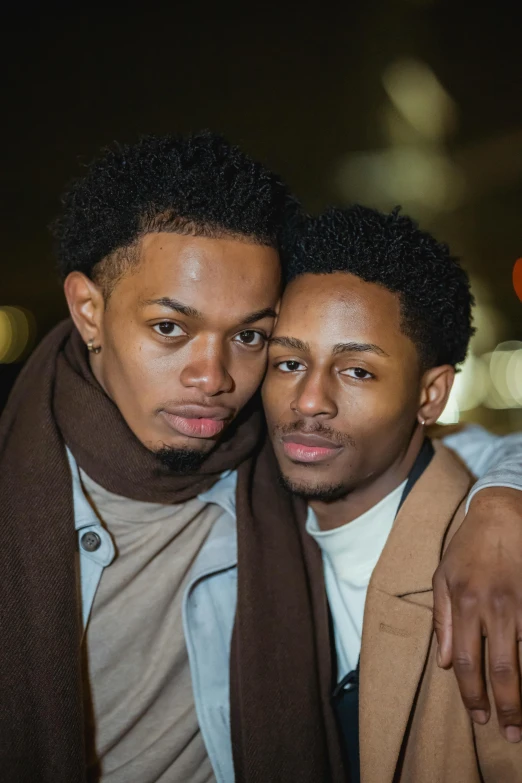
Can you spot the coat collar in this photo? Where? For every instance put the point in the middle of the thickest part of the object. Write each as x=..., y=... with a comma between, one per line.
x=398, y=622
x=414, y=546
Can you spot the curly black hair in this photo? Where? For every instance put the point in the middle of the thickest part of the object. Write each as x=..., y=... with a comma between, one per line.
x=198, y=184
x=391, y=250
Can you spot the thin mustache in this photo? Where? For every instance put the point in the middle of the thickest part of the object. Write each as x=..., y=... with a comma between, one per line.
x=318, y=429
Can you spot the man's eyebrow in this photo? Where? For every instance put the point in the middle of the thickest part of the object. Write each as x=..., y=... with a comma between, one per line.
x=173, y=304
x=191, y=312
x=291, y=342
x=358, y=348
x=267, y=312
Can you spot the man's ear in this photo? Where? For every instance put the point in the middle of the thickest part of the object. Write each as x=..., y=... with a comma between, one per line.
x=435, y=390
x=86, y=305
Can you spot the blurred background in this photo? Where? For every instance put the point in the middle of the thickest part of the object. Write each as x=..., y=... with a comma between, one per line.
x=411, y=102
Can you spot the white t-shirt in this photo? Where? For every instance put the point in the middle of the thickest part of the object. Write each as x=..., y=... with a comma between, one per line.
x=350, y=553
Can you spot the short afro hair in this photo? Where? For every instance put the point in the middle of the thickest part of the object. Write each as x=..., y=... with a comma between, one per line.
x=390, y=250
x=198, y=184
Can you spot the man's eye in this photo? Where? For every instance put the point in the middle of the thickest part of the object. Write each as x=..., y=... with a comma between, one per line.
x=289, y=366
x=250, y=337
x=168, y=329
x=358, y=373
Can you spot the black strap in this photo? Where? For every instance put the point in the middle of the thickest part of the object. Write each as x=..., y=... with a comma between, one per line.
x=345, y=702
x=424, y=458
x=345, y=698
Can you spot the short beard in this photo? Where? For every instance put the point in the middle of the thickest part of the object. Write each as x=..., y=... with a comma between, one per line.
x=181, y=461
x=324, y=493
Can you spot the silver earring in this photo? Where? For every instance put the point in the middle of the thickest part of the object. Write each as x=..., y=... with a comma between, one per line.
x=91, y=348
x=422, y=422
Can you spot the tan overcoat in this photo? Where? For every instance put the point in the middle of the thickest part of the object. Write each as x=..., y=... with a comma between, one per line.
x=413, y=725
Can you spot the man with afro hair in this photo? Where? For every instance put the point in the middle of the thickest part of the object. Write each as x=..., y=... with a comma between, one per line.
x=374, y=320
x=122, y=441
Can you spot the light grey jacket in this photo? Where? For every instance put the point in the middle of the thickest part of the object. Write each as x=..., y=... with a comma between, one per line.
x=210, y=597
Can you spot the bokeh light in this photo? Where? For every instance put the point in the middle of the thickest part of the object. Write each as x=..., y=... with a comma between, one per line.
x=420, y=98
x=6, y=334
x=414, y=167
x=493, y=380
x=417, y=177
x=17, y=332
x=505, y=370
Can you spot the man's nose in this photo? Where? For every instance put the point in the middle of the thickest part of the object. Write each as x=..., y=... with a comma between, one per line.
x=208, y=371
x=313, y=397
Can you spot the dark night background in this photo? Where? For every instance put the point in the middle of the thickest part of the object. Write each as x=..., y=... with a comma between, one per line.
x=301, y=90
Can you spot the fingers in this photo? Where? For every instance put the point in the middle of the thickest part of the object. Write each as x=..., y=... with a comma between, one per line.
x=458, y=629
x=442, y=620
x=468, y=657
x=504, y=669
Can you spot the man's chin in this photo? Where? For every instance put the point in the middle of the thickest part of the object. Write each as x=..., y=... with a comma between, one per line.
x=182, y=461
x=326, y=493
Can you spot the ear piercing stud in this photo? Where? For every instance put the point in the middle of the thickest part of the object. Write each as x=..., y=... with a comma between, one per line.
x=91, y=348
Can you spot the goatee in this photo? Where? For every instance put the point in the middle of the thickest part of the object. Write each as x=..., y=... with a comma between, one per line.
x=325, y=493
x=181, y=461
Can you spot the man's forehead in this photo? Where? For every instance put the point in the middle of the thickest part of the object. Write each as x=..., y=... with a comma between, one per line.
x=192, y=267
x=200, y=251
x=337, y=314
x=203, y=274
x=338, y=295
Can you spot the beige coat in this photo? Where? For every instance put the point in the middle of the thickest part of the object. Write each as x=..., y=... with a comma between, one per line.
x=413, y=725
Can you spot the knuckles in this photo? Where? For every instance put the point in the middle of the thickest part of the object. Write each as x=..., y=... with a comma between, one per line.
x=502, y=669
x=466, y=601
x=475, y=701
x=509, y=714
x=464, y=664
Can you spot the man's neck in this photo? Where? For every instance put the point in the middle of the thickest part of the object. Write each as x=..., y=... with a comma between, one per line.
x=361, y=499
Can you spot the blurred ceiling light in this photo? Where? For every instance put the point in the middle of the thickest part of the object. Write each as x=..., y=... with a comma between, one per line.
x=398, y=132
x=412, y=176
x=17, y=328
x=505, y=370
x=418, y=95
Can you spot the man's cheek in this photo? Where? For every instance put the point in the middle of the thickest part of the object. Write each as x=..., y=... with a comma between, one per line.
x=272, y=410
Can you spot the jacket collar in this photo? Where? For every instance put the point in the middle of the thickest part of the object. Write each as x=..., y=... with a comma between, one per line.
x=414, y=546
x=398, y=620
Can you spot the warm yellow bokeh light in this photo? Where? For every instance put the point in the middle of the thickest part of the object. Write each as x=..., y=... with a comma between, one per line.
x=493, y=379
x=16, y=331
x=420, y=98
x=505, y=369
x=6, y=334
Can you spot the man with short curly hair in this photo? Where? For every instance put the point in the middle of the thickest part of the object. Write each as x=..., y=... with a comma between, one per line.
x=373, y=322
x=169, y=253
x=136, y=502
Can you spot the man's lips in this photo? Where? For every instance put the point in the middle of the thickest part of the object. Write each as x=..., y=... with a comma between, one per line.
x=300, y=447
x=197, y=421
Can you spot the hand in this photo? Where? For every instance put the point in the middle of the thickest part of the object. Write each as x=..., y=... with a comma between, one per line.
x=478, y=592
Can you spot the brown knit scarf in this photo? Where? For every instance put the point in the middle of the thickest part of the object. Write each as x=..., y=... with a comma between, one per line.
x=283, y=728
x=280, y=670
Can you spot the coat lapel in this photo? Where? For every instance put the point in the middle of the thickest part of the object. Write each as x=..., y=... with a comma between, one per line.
x=397, y=626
